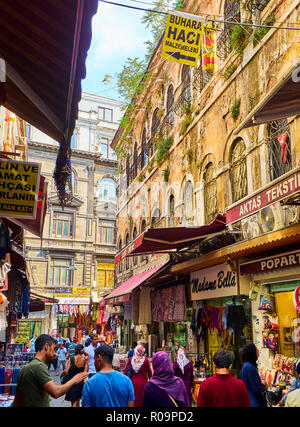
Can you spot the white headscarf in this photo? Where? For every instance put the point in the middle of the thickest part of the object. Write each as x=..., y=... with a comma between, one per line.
x=138, y=358
x=182, y=360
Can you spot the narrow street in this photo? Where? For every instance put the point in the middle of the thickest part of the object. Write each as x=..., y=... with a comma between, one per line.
x=60, y=402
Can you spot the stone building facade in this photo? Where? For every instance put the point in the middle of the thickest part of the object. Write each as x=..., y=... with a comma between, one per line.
x=74, y=260
x=185, y=155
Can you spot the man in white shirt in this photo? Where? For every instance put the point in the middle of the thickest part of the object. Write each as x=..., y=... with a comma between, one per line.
x=61, y=357
x=90, y=351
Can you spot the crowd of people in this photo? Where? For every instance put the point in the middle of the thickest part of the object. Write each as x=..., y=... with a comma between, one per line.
x=87, y=375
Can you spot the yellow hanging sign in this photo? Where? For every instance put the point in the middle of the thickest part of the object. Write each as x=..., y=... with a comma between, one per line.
x=182, y=40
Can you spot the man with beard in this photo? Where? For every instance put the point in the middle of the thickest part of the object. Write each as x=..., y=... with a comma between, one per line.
x=34, y=381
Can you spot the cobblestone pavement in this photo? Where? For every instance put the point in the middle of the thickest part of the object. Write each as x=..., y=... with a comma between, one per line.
x=60, y=402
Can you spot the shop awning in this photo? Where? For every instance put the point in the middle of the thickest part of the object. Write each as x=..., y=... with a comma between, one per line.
x=43, y=298
x=36, y=226
x=170, y=239
x=44, y=45
x=129, y=285
x=282, y=101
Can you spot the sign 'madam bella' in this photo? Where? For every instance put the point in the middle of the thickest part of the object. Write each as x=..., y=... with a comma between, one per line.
x=19, y=185
x=213, y=282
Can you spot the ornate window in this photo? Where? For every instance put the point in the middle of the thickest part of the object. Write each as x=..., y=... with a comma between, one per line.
x=107, y=190
x=231, y=13
x=172, y=211
x=239, y=183
x=127, y=258
x=154, y=128
x=170, y=105
x=107, y=232
x=155, y=218
x=60, y=273
x=63, y=225
x=144, y=149
x=210, y=193
x=134, y=235
x=135, y=161
x=279, y=142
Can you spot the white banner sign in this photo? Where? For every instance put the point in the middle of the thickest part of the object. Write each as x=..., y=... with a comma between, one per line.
x=213, y=282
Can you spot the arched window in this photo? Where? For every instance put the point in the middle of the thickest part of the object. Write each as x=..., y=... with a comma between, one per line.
x=107, y=190
x=155, y=218
x=186, y=80
x=210, y=193
x=188, y=201
x=144, y=150
x=231, y=13
x=154, y=128
x=119, y=250
x=134, y=236
x=143, y=226
x=127, y=258
x=170, y=105
x=239, y=183
x=135, y=160
x=172, y=211
x=280, y=154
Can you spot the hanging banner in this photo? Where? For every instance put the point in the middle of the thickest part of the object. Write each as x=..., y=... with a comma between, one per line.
x=208, y=48
x=182, y=39
x=19, y=185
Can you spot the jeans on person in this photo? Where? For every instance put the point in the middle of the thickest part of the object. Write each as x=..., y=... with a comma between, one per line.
x=61, y=363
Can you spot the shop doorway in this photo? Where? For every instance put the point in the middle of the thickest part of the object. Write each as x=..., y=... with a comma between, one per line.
x=289, y=324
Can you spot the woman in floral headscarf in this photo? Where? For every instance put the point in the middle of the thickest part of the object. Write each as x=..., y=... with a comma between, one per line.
x=138, y=369
x=183, y=369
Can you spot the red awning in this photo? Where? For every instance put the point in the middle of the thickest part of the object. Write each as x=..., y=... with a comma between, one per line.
x=130, y=284
x=44, y=44
x=36, y=226
x=170, y=239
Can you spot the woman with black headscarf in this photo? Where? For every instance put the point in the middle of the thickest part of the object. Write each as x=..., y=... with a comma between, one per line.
x=250, y=375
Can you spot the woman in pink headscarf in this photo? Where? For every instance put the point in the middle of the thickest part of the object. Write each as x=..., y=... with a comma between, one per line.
x=138, y=369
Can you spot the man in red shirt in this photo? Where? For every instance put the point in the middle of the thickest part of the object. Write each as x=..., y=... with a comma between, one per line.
x=222, y=389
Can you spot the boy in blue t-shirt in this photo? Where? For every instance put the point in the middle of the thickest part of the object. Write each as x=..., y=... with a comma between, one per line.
x=107, y=388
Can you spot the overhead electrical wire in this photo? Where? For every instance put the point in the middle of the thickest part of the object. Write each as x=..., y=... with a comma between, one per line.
x=209, y=19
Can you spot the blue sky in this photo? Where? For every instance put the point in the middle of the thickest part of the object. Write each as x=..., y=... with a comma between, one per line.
x=117, y=34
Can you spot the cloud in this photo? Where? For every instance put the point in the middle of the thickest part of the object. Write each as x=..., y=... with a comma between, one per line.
x=117, y=33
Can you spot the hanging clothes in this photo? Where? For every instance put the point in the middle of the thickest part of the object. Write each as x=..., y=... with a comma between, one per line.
x=5, y=245
x=135, y=307
x=145, y=317
x=180, y=304
x=236, y=319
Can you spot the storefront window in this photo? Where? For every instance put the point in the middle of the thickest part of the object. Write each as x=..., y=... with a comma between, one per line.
x=234, y=330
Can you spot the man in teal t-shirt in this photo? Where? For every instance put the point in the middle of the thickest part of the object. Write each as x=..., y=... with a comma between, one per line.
x=107, y=388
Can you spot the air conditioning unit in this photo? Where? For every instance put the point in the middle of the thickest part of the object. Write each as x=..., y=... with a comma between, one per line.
x=274, y=217
x=251, y=227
